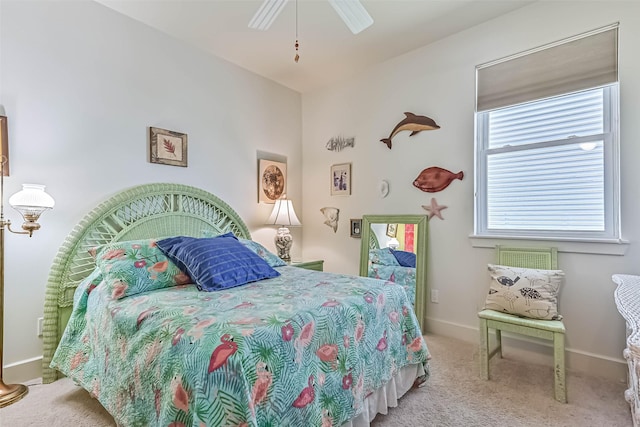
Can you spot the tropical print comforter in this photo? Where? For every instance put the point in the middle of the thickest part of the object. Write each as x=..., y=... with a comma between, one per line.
x=405, y=276
x=302, y=349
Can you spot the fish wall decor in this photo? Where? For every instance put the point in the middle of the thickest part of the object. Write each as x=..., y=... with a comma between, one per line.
x=331, y=216
x=338, y=143
x=435, y=179
x=412, y=122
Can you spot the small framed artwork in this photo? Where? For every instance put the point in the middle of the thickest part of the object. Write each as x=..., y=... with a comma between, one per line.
x=341, y=179
x=392, y=230
x=167, y=147
x=356, y=228
x=272, y=180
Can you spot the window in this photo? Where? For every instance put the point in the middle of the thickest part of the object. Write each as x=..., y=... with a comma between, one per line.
x=547, y=156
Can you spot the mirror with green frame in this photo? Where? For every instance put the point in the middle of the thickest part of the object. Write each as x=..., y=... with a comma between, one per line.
x=394, y=247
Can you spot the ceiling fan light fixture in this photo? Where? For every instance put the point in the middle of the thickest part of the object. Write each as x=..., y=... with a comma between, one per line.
x=353, y=14
x=266, y=14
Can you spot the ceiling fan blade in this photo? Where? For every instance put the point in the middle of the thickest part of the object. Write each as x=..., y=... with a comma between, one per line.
x=353, y=14
x=266, y=14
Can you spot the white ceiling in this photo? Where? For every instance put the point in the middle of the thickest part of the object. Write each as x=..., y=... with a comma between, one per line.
x=328, y=50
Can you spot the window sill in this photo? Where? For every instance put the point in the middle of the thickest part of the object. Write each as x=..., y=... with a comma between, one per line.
x=601, y=247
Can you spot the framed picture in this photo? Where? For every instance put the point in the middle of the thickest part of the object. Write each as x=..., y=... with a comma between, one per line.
x=272, y=180
x=341, y=179
x=392, y=230
x=356, y=227
x=167, y=147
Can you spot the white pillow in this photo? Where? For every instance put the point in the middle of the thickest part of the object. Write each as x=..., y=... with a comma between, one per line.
x=524, y=292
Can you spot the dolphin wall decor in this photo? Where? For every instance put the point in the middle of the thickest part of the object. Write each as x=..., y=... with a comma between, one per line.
x=411, y=122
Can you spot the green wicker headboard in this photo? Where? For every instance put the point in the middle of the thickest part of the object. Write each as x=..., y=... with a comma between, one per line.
x=373, y=241
x=145, y=211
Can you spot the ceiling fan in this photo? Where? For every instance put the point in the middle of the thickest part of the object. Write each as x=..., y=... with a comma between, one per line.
x=351, y=11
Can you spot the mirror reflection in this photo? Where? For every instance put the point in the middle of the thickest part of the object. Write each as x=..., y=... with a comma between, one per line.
x=394, y=248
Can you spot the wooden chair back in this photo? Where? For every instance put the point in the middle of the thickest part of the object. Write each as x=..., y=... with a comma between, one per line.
x=539, y=258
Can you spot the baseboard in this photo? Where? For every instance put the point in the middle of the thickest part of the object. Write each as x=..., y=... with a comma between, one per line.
x=536, y=351
x=23, y=371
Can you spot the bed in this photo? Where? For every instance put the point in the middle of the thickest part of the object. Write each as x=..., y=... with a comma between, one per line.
x=387, y=264
x=302, y=348
x=395, y=266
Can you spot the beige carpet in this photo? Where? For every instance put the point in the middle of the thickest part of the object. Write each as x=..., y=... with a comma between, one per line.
x=517, y=395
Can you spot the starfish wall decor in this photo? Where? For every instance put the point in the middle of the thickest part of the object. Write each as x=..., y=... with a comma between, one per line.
x=434, y=209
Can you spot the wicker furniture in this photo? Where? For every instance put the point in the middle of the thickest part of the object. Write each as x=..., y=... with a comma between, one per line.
x=146, y=211
x=554, y=330
x=627, y=297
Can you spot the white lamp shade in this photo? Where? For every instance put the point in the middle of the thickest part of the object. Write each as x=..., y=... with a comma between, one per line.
x=31, y=200
x=283, y=214
x=393, y=243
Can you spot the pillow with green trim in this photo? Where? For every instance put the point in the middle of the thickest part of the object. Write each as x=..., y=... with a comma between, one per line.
x=272, y=259
x=382, y=256
x=135, y=266
x=524, y=292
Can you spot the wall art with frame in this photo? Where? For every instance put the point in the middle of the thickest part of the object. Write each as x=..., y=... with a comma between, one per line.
x=392, y=230
x=341, y=179
x=272, y=180
x=167, y=147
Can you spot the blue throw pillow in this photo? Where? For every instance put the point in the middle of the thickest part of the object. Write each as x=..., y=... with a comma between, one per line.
x=272, y=259
x=405, y=259
x=216, y=263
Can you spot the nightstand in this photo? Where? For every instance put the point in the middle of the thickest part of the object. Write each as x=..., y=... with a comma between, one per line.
x=309, y=265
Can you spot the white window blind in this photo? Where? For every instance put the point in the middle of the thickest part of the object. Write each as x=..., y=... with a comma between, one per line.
x=538, y=178
x=547, y=166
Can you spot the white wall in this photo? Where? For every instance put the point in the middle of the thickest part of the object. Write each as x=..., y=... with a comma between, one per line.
x=438, y=81
x=81, y=84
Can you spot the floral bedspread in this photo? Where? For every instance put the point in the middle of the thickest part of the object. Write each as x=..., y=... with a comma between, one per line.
x=302, y=349
x=405, y=276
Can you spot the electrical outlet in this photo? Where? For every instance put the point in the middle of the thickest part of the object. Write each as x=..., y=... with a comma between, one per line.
x=39, y=326
x=434, y=296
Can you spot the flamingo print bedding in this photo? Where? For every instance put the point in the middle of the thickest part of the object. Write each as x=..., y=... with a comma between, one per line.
x=302, y=349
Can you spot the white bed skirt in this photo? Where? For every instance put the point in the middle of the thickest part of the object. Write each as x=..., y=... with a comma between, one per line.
x=387, y=396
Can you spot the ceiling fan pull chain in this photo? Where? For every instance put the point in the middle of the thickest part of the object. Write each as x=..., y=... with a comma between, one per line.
x=297, y=45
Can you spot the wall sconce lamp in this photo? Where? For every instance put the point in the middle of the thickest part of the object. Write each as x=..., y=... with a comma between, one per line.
x=31, y=202
x=284, y=216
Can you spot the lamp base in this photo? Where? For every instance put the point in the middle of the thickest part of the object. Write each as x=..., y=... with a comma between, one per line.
x=11, y=393
x=283, y=241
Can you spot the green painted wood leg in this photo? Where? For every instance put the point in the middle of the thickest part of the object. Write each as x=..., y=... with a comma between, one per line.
x=484, y=349
x=558, y=358
x=499, y=341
